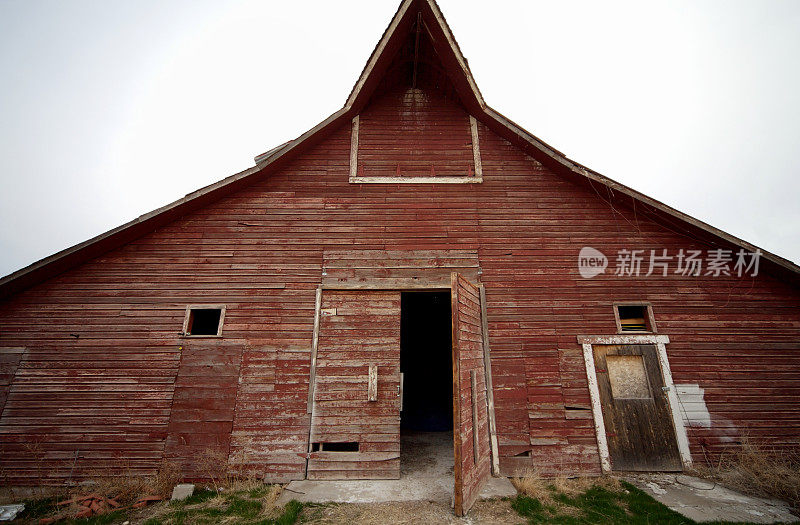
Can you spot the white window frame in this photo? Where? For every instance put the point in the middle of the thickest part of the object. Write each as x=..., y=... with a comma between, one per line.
x=650, y=317
x=221, y=307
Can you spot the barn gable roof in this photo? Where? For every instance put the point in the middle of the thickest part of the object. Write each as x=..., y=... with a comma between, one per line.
x=458, y=72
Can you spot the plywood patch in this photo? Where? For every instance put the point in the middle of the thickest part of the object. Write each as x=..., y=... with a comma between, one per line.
x=203, y=406
x=9, y=361
x=628, y=377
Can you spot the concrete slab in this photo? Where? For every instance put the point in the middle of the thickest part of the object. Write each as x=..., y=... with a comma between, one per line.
x=182, y=491
x=9, y=512
x=426, y=474
x=702, y=501
x=498, y=488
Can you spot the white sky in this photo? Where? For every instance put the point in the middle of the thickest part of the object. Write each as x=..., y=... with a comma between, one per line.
x=112, y=108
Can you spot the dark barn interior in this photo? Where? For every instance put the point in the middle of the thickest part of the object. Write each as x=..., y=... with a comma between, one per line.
x=426, y=362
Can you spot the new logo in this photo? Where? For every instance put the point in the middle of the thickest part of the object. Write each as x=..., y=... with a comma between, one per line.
x=591, y=262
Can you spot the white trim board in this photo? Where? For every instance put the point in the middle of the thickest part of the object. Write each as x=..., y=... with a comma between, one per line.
x=355, y=178
x=416, y=180
x=660, y=342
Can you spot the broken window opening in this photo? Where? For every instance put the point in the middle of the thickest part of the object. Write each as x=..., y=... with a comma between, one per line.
x=204, y=321
x=634, y=318
x=344, y=446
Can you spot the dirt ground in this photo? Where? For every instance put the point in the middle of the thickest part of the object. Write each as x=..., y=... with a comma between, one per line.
x=488, y=512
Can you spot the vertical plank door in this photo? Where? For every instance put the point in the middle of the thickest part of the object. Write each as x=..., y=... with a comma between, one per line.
x=636, y=412
x=470, y=412
x=355, y=414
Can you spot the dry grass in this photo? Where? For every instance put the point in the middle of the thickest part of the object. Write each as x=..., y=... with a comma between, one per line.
x=270, y=501
x=230, y=491
x=127, y=489
x=244, y=501
x=213, y=466
x=757, y=469
x=486, y=512
x=532, y=484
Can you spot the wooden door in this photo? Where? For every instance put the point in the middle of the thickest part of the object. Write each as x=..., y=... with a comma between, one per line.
x=355, y=415
x=470, y=411
x=636, y=413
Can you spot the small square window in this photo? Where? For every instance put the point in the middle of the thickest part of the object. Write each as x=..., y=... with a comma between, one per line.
x=204, y=321
x=634, y=317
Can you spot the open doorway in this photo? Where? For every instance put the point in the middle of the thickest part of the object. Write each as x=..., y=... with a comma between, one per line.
x=426, y=362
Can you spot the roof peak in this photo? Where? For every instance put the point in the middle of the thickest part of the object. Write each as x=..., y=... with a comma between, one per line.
x=426, y=18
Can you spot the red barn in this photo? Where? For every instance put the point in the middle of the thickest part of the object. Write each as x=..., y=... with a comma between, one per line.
x=416, y=261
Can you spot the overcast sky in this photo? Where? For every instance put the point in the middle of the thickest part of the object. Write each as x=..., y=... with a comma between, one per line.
x=112, y=108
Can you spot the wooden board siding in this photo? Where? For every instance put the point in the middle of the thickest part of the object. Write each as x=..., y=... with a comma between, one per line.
x=364, y=331
x=261, y=251
x=9, y=361
x=271, y=424
x=77, y=410
x=203, y=403
x=407, y=269
x=511, y=411
x=415, y=133
x=470, y=416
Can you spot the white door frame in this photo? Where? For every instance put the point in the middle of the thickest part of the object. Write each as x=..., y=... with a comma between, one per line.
x=660, y=341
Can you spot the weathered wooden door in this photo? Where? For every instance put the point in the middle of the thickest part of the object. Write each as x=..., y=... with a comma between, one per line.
x=470, y=412
x=636, y=413
x=355, y=415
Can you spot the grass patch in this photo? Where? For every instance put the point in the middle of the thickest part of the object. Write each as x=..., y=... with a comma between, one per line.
x=290, y=514
x=254, y=505
x=38, y=508
x=259, y=492
x=198, y=496
x=243, y=508
x=589, y=501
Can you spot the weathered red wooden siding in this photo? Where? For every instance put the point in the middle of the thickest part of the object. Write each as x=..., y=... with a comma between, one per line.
x=9, y=361
x=470, y=433
x=203, y=404
x=413, y=133
x=260, y=252
x=86, y=407
x=363, y=331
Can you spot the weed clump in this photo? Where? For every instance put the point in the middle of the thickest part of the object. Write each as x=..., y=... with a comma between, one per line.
x=758, y=469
